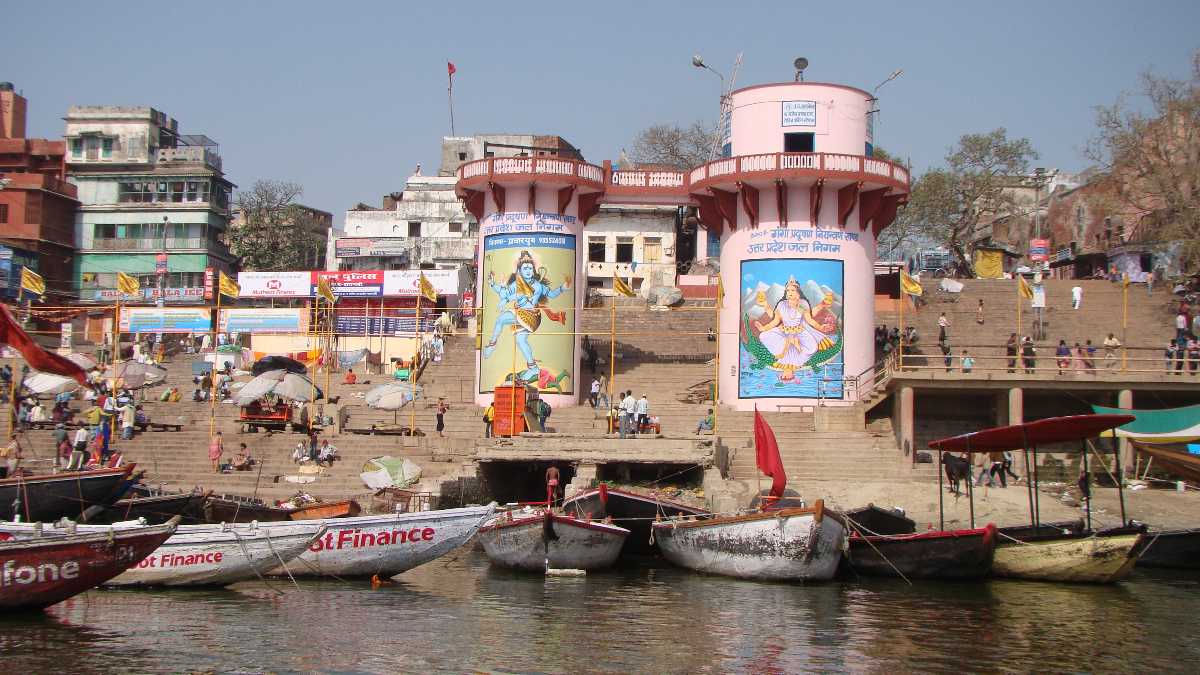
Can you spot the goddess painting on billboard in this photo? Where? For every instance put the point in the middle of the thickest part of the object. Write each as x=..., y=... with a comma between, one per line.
x=522, y=300
x=791, y=343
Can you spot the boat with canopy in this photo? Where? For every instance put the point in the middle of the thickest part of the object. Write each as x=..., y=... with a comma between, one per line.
x=1079, y=556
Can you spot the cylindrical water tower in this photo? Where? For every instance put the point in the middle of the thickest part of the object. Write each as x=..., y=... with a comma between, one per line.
x=531, y=212
x=798, y=204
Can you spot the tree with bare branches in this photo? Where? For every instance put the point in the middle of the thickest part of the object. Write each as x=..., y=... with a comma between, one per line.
x=670, y=145
x=272, y=232
x=1152, y=156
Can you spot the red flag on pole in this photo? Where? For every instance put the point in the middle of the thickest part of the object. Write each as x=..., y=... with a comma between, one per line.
x=766, y=451
x=450, y=69
x=39, y=359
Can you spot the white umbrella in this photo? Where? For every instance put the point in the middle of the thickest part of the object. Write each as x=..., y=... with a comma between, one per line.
x=82, y=360
x=49, y=383
x=392, y=396
x=285, y=385
x=134, y=374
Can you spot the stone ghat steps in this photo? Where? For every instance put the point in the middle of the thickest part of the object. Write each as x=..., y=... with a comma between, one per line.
x=1151, y=318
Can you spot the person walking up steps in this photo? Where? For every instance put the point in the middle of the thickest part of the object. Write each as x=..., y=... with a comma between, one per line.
x=216, y=448
x=441, y=416
x=979, y=313
x=1111, y=345
x=943, y=324
x=489, y=415
x=643, y=414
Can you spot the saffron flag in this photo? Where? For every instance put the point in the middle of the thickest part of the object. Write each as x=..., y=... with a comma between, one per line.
x=766, y=451
x=910, y=285
x=426, y=289
x=720, y=292
x=228, y=287
x=1023, y=288
x=32, y=281
x=324, y=291
x=39, y=359
x=128, y=285
x=622, y=288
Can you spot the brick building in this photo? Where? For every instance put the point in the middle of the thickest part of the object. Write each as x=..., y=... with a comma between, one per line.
x=37, y=206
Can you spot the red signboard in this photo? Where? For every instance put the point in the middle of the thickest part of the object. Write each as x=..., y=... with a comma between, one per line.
x=468, y=303
x=1039, y=249
x=208, y=283
x=351, y=283
x=160, y=263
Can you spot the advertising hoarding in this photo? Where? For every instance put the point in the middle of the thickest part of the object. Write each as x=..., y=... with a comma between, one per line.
x=264, y=320
x=275, y=284
x=166, y=320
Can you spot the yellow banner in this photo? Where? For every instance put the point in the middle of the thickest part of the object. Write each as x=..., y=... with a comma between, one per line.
x=989, y=264
x=910, y=285
x=128, y=285
x=32, y=281
x=1023, y=288
x=622, y=288
x=324, y=291
x=426, y=288
x=228, y=287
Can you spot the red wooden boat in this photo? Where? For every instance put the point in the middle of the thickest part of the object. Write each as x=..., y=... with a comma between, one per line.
x=53, y=496
x=343, y=509
x=938, y=554
x=41, y=571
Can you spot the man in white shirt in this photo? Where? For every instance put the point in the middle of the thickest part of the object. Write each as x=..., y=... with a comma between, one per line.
x=1076, y=296
x=595, y=392
x=643, y=414
x=628, y=410
x=1181, y=325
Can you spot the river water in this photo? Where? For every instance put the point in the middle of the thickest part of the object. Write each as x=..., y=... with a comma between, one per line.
x=458, y=615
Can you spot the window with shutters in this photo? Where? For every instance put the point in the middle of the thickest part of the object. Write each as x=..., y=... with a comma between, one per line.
x=596, y=249
x=652, y=250
x=106, y=148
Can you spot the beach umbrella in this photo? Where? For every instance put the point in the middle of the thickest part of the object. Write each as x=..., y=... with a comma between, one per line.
x=392, y=396
x=49, y=383
x=285, y=385
x=82, y=360
x=388, y=471
x=276, y=362
x=135, y=374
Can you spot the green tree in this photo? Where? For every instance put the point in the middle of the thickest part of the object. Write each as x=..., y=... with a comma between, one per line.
x=1152, y=155
x=272, y=232
x=948, y=204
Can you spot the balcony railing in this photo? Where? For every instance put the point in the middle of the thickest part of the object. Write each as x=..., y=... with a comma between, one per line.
x=155, y=244
x=40, y=181
x=667, y=183
x=194, y=154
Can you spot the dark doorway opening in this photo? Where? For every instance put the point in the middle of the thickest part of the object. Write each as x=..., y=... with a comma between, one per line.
x=799, y=142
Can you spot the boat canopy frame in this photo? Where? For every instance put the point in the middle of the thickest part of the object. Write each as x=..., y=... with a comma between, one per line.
x=1026, y=437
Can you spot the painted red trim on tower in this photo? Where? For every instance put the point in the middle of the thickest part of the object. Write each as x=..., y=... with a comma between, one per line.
x=869, y=203
x=781, y=202
x=726, y=206
x=847, y=196
x=749, y=195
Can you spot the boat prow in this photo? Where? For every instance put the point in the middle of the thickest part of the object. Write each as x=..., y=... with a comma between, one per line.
x=802, y=544
x=538, y=539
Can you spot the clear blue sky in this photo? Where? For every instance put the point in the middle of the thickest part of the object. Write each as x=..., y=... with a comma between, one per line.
x=345, y=98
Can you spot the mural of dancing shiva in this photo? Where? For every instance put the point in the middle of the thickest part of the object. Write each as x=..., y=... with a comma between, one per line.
x=791, y=329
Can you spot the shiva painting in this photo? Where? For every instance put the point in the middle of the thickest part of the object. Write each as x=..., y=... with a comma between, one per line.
x=791, y=329
x=528, y=311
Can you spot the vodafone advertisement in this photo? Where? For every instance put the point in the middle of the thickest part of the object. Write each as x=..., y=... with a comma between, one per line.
x=347, y=283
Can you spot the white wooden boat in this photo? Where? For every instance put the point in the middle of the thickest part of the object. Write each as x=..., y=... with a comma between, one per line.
x=795, y=544
x=386, y=545
x=1079, y=558
x=536, y=539
x=204, y=555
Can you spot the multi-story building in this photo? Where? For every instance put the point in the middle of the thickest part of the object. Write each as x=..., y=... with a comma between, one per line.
x=458, y=150
x=37, y=206
x=154, y=203
x=633, y=241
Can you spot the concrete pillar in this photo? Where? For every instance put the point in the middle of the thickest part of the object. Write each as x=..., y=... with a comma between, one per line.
x=907, y=438
x=1128, y=460
x=1016, y=415
x=584, y=475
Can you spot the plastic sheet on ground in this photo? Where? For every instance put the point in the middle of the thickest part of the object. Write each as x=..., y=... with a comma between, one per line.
x=350, y=358
x=951, y=286
x=392, y=396
x=387, y=471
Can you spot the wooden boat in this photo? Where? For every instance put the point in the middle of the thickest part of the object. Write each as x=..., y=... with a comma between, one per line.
x=1174, y=461
x=1054, y=555
x=538, y=539
x=1179, y=549
x=785, y=544
x=629, y=510
x=153, y=510
x=53, y=496
x=205, y=555
x=871, y=519
x=343, y=509
x=386, y=545
x=955, y=554
x=1084, y=558
x=39, y=571
x=224, y=510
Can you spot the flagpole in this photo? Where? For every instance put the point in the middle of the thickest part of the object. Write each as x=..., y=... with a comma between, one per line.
x=412, y=372
x=903, y=301
x=450, y=98
x=331, y=319
x=312, y=403
x=612, y=356
x=717, y=358
x=1019, y=336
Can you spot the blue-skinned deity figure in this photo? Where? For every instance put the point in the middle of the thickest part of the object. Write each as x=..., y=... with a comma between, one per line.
x=522, y=301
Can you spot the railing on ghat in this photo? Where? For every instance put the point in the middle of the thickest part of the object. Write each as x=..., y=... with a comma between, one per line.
x=810, y=161
x=681, y=181
x=549, y=166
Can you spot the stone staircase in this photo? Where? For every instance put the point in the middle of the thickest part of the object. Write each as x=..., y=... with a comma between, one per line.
x=1151, y=321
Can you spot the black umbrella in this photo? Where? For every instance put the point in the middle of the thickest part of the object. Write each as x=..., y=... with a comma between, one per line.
x=274, y=362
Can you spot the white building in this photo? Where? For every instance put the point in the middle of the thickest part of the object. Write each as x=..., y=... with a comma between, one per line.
x=637, y=242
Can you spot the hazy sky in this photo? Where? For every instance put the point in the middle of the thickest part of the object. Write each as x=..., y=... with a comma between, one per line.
x=345, y=98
